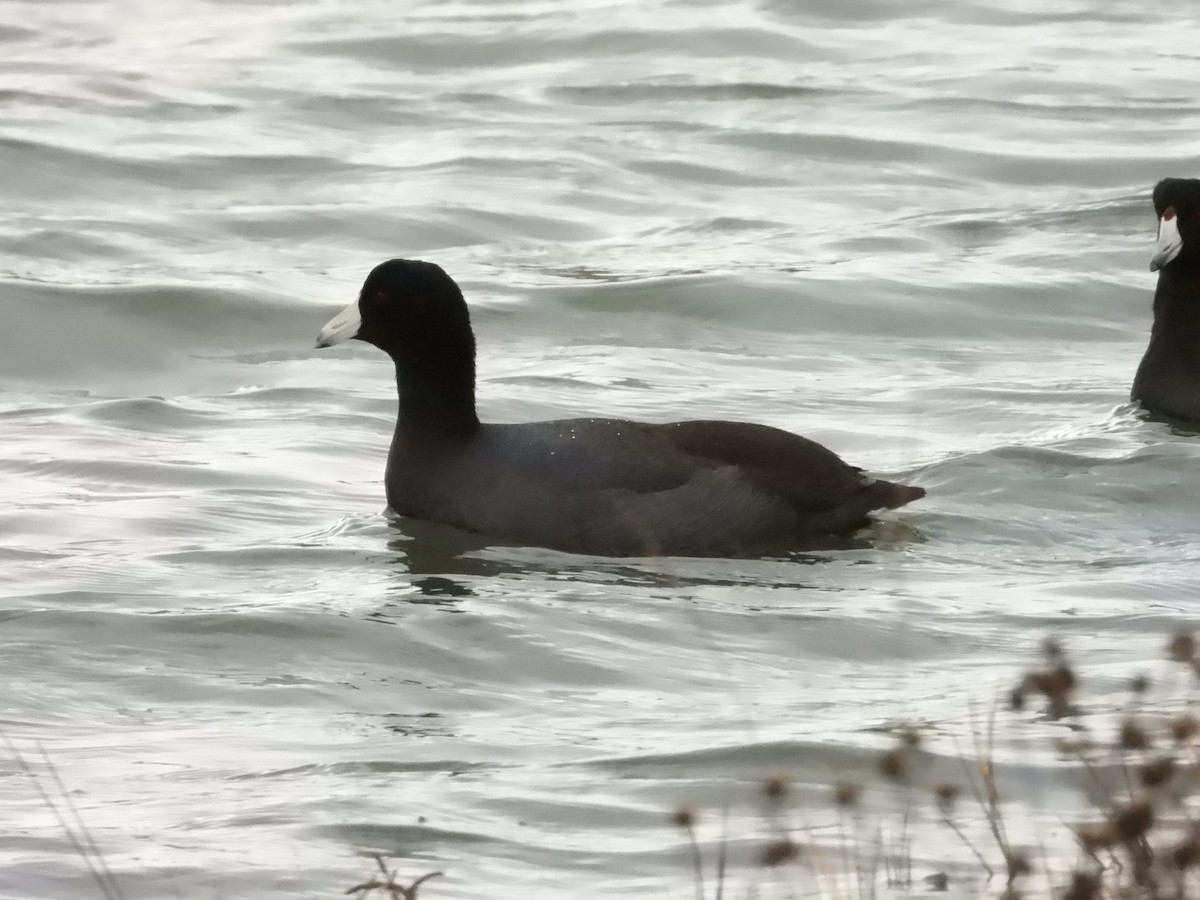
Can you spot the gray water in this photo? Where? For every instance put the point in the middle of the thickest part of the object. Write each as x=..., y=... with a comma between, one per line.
x=917, y=233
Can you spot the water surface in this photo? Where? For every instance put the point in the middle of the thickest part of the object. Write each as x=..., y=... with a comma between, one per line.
x=917, y=235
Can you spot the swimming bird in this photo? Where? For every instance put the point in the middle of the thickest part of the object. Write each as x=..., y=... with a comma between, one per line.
x=1168, y=379
x=608, y=487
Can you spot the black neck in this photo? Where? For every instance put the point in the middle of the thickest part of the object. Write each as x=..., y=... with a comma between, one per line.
x=437, y=395
x=1177, y=304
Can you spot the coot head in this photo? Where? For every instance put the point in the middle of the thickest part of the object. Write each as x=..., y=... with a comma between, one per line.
x=409, y=309
x=415, y=313
x=1177, y=205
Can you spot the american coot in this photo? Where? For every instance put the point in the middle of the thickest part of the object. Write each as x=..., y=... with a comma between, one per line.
x=1168, y=379
x=604, y=486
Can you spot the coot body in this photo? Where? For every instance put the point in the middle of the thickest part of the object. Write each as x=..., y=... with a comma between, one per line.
x=590, y=485
x=1168, y=379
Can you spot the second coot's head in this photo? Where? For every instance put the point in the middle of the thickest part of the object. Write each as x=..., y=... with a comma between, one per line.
x=1177, y=205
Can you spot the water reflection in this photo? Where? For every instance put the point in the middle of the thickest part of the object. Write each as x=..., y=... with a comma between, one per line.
x=439, y=565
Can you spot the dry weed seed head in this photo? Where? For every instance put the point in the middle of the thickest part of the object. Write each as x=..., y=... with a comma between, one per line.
x=1018, y=864
x=1097, y=836
x=1186, y=855
x=684, y=818
x=776, y=788
x=1062, y=682
x=1132, y=736
x=1016, y=699
x=390, y=886
x=1133, y=821
x=1184, y=728
x=939, y=882
x=910, y=738
x=893, y=766
x=1182, y=647
x=1056, y=685
x=1140, y=684
x=1158, y=772
x=946, y=795
x=1083, y=886
x=779, y=852
x=846, y=794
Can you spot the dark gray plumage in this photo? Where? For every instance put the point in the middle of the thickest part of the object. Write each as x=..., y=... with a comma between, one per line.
x=602, y=486
x=1168, y=379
